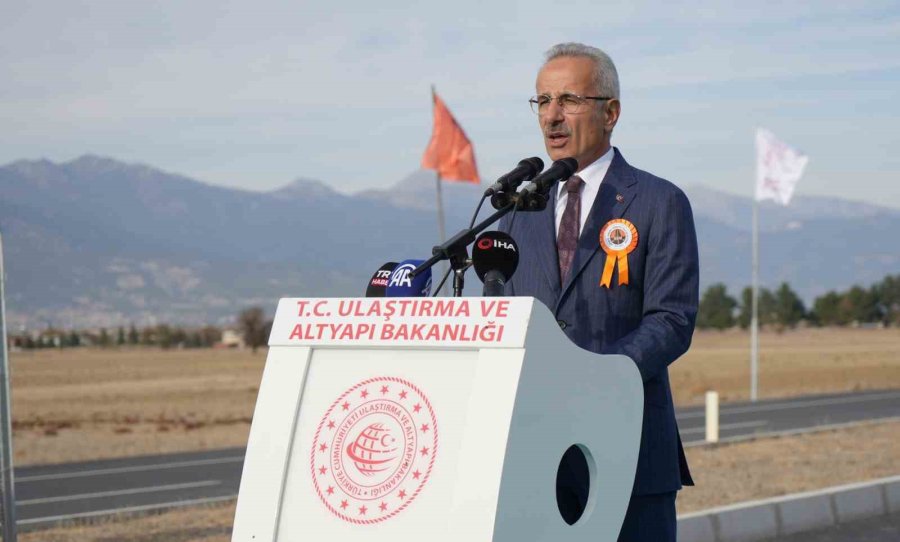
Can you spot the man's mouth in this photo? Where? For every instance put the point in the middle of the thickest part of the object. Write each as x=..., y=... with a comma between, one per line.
x=557, y=139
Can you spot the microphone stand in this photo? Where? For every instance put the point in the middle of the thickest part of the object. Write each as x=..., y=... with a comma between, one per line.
x=454, y=250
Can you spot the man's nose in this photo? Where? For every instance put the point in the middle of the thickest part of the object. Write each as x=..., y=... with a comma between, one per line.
x=553, y=112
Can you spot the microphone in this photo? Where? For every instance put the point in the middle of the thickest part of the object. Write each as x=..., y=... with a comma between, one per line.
x=534, y=196
x=526, y=169
x=379, y=281
x=559, y=170
x=495, y=257
x=400, y=284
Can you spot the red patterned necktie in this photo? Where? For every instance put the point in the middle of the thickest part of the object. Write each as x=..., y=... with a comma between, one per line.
x=567, y=241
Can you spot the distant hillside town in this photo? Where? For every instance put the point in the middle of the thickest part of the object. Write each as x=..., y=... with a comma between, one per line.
x=97, y=243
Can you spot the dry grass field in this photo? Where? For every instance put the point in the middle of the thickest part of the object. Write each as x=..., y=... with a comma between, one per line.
x=731, y=473
x=725, y=474
x=195, y=524
x=84, y=404
x=799, y=362
x=80, y=404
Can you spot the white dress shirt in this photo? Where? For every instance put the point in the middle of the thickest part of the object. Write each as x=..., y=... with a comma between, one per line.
x=592, y=177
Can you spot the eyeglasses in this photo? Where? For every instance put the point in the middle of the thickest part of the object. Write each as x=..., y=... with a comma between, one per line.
x=570, y=103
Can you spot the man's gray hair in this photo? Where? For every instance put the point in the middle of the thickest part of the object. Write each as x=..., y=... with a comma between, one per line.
x=606, y=78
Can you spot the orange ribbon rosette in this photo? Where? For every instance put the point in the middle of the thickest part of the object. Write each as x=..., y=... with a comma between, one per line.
x=618, y=238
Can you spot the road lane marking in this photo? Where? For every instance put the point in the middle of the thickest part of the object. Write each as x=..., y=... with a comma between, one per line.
x=136, y=468
x=126, y=510
x=119, y=492
x=790, y=405
x=754, y=423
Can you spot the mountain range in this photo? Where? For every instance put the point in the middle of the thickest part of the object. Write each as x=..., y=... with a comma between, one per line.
x=98, y=242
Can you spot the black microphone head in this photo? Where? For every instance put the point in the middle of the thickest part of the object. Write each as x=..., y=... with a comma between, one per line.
x=559, y=170
x=524, y=171
x=379, y=281
x=495, y=251
x=536, y=164
x=568, y=167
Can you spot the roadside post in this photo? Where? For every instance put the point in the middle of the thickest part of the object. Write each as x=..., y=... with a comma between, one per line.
x=6, y=459
x=712, y=416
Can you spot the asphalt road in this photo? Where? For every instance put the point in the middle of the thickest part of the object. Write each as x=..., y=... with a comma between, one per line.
x=742, y=421
x=52, y=493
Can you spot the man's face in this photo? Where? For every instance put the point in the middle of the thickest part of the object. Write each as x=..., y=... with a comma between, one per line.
x=583, y=135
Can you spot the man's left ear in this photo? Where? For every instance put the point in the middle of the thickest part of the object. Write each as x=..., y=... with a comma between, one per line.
x=613, y=110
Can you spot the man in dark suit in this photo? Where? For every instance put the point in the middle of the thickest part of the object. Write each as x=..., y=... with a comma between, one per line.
x=614, y=256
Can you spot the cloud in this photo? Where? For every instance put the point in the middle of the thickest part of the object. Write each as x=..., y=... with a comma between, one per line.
x=226, y=90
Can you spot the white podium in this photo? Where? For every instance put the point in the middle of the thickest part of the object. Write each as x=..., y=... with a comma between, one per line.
x=435, y=419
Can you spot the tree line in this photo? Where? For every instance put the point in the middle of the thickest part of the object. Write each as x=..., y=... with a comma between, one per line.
x=781, y=309
x=252, y=327
x=162, y=336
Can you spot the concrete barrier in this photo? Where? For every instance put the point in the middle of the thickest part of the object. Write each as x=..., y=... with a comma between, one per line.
x=790, y=514
x=892, y=492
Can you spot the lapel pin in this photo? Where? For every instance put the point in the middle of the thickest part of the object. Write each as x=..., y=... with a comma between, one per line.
x=620, y=198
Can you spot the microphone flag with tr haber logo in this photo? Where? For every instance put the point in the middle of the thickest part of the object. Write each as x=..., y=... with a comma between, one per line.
x=449, y=152
x=379, y=282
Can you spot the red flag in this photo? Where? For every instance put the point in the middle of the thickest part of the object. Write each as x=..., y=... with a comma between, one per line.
x=449, y=152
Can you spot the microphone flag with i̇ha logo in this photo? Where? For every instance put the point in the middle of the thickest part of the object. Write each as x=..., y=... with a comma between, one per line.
x=449, y=152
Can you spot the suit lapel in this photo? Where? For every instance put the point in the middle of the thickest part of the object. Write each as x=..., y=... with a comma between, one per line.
x=616, y=193
x=545, y=232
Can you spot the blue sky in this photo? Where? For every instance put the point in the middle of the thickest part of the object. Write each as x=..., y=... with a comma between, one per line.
x=255, y=94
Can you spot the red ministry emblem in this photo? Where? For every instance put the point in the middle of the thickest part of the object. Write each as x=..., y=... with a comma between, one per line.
x=374, y=450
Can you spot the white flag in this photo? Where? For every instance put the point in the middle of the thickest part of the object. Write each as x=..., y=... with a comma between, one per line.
x=778, y=168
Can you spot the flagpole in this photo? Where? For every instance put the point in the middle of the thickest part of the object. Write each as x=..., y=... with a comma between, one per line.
x=754, y=321
x=778, y=168
x=441, y=228
x=440, y=208
x=6, y=447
